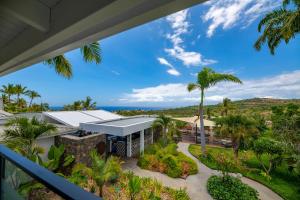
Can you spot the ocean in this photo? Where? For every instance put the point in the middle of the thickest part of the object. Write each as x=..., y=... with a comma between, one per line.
x=115, y=108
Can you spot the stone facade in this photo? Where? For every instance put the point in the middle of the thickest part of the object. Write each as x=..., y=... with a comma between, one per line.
x=80, y=147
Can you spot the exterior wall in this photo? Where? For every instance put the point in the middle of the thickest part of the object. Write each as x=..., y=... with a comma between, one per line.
x=46, y=143
x=80, y=147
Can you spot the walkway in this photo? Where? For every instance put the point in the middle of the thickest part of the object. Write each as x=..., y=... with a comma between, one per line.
x=196, y=184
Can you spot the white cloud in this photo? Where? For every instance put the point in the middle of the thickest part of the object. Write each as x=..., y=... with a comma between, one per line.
x=180, y=25
x=164, y=62
x=228, y=13
x=286, y=85
x=115, y=72
x=171, y=70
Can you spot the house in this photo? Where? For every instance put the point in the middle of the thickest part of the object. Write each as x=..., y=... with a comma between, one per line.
x=105, y=131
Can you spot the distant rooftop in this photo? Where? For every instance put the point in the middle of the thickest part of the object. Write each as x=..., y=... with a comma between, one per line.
x=74, y=118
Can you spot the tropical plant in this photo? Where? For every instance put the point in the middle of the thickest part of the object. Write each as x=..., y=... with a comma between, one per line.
x=90, y=52
x=270, y=147
x=224, y=164
x=163, y=122
x=20, y=90
x=8, y=90
x=207, y=78
x=32, y=95
x=226, y=106
x=56, y=159
x=21, y=134
x=87, y=104
x=80, y=175
x=280, y=24
x=104, y=171
x=134, y=186
x=208, y=112
x=237, y=127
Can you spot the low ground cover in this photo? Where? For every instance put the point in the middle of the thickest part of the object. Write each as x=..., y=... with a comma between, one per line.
x=230, y=188
x=283, y=182
x=166, y=159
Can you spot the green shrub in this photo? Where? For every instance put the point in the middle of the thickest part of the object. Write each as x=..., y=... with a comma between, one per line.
x=143, y=162
x=193, y=168
x=171, y=149
x=173, y=167
x=230, y=189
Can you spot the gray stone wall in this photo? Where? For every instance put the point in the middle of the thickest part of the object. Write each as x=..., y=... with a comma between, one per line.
x=80, y=147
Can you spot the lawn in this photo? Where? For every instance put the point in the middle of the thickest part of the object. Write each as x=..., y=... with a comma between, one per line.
x=286, y=184
x=167, y=160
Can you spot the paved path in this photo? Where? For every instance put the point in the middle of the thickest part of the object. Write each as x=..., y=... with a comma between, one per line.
x=196, y=184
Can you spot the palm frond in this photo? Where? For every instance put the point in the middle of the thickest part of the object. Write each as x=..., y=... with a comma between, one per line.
x=91, y=52
x=61, y=65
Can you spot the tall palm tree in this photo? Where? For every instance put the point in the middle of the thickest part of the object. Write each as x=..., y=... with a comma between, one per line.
x=226, y=106
x=87, y=104
x=32, y=95
x=280, y=24
x=237, y=127
x=91, y=53
x=207, y=78
x=21, y=134
x=104, y=171
x=162, y=122
x=8, y=90
x=19, y=90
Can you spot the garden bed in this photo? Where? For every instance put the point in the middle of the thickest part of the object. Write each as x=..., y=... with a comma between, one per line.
x=283, y=182
x=167, y=160
x=230, y=188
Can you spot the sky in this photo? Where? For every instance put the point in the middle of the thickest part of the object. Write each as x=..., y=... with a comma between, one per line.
x=151, y=65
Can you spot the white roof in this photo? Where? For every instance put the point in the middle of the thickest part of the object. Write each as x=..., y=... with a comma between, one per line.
x=74, y=118
x=120, y=127
x=102, y=114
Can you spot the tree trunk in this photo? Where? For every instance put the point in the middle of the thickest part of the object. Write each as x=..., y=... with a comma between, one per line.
x=30, y=102
x=235, y=146
x=202, y=131
x=101, y=191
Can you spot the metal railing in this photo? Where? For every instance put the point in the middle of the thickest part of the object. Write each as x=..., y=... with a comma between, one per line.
x=52, y=181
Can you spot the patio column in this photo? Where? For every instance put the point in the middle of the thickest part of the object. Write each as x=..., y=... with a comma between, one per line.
x=142, y=141
x=129, y=145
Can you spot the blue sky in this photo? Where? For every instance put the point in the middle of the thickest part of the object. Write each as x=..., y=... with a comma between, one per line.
x=150, y=65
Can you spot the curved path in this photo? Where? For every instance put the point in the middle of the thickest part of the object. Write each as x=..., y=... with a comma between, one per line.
x=195, y=184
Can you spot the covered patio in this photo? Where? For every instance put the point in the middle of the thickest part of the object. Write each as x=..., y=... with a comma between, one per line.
x=124, y=137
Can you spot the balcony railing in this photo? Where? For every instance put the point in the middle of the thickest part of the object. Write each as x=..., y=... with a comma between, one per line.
x=16, y=169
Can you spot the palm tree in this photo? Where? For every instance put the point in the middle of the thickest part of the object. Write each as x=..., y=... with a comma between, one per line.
x=206, y=79
x=21, y=134
x=19, y=90
x=104, y=171
x=226, y=106
x=237, y=127
x=8, y=90
x=91, y=53
x=87, y=104
x=32, y=94
x=162, y=122
x=280, y=24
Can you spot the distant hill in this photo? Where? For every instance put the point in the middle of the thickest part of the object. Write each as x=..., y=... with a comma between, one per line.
x=247, y=106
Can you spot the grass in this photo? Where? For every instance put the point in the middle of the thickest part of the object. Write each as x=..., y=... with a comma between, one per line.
x=286, y=184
